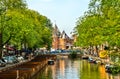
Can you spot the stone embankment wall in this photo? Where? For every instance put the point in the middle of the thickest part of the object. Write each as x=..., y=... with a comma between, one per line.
x=28, y=69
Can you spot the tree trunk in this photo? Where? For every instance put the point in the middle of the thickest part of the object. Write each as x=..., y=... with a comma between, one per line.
x=1, y=45
x=97, y=51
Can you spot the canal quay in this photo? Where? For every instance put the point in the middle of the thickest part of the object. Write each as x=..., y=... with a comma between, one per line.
x=26, y=70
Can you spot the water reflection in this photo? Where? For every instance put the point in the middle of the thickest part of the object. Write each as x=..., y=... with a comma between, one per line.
x=92, y=71
x=74, y=69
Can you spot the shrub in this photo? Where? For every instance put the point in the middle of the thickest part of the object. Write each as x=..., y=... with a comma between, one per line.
x=115, y=69
x=73, y=54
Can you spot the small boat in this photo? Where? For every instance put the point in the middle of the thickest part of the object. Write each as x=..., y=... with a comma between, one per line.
x=85, y=57
x=50, y=62
x=98, y=61
x=108, y=68
x=91, y=60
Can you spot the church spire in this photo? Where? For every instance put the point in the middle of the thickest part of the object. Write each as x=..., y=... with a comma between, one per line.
x=56, y=31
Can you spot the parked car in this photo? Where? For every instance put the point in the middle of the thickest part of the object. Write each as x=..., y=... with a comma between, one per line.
x=20, y=58
x=2, y=63
x=10, y=59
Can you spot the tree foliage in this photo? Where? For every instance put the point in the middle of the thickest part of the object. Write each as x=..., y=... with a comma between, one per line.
x=100, y=24
x=22, y=26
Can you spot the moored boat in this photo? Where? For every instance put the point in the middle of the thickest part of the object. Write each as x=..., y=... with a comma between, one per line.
x=50, y=62
x=85, y=57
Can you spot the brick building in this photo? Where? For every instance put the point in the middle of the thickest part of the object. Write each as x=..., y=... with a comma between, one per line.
x=61, y=40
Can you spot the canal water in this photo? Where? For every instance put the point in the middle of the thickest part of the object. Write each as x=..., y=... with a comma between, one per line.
x=65, y=68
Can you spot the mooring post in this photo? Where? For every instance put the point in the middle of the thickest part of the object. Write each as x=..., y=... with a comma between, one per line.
x=17, y=74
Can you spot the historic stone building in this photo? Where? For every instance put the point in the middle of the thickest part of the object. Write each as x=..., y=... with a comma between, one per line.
x=61, y=40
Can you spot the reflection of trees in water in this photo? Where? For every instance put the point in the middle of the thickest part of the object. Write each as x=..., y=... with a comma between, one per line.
x=89, y=70
x=94, y=71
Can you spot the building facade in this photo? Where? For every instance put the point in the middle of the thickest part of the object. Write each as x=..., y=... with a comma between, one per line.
x=61, y=40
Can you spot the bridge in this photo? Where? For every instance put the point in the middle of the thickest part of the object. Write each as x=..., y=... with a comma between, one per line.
x=67, y=54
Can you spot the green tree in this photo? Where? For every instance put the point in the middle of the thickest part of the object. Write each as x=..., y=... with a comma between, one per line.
x=5, y=5
x=100, y=23
x=22, y=26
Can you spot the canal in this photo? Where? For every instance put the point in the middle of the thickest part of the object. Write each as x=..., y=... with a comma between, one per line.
x=65, y=68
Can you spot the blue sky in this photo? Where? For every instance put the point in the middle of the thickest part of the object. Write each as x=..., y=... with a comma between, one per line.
x=64, y=13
